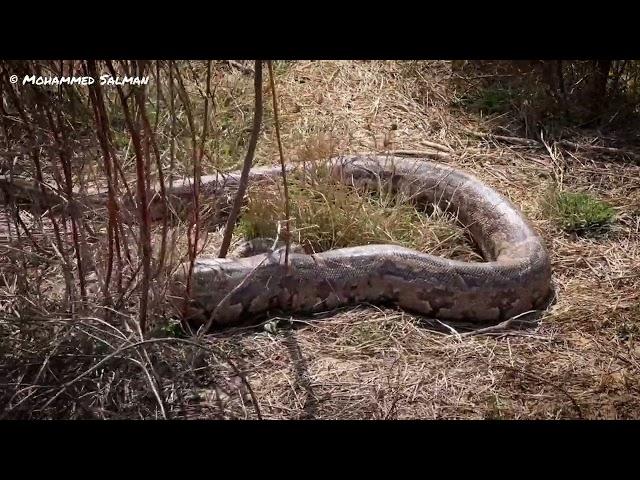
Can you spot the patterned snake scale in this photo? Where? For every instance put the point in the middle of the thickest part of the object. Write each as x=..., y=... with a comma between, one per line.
x=514, y=278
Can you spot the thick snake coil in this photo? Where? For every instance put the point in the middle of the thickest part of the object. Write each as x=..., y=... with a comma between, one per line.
x=515, y=278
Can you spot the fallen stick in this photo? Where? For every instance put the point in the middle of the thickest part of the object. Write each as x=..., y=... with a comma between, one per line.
x=437, y=146
x=421, y=153
x=504, y=326
x=514, y=140
x=563, y=143
x=599, y=148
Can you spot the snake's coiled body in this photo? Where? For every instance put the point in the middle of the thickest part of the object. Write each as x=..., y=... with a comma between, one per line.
x=515, y=278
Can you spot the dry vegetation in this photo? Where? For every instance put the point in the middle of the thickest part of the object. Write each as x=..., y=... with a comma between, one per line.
x=580, y=360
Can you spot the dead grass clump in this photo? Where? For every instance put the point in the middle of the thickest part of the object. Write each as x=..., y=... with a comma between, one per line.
x=114, y=374
x=327, y=215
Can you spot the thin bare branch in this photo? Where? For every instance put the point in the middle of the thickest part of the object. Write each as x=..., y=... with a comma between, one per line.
x=248, y=162
x=143, y=206
x=287, y=215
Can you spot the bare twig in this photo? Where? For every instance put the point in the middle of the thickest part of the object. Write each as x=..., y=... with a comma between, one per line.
x=155, y=382
x=145, y=236
x=282, y=164
x=184, y=98
x=503, y=326
x=514, y=140
x=100, y=116
x=197, y=167
x=421, y=153
x=598, y=148
x=450, y=328
x=163, y=194
x=437, y=146
x=172, y=114
x=248, y=161
x=194, y=225
x=61, y=139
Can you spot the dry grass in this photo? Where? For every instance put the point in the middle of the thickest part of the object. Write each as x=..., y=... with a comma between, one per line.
x=327, y=215
x=580, y=361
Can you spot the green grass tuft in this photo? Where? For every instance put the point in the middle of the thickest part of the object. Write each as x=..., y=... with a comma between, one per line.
x=581, y=212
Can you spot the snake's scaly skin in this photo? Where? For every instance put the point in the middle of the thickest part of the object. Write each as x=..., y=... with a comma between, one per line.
x=515, y=278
